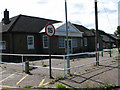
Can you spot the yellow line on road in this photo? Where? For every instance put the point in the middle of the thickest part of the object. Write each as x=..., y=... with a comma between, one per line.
x=7, y=86
x=21, y=79
x=2, y=72
x=46, y=83
x=7, y=77
x=41, y=83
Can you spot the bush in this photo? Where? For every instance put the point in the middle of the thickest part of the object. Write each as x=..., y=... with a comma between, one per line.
x=44, y=65
x=60, y=85
x=61, y=78
x=28, y=86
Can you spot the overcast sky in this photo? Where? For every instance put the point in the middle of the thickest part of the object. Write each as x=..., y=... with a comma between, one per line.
x=79, y=11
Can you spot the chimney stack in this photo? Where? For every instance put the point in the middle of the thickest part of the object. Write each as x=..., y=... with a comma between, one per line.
x=6, y=17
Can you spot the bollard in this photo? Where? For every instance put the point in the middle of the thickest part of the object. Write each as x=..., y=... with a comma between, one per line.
x=27, y=67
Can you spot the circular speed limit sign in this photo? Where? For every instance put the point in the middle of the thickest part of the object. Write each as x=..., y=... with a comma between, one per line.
x=50, y=30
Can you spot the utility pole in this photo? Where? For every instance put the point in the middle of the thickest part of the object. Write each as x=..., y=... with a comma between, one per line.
x=97, y=38
x=102, y=46
x=110, y=46
x=67, y=49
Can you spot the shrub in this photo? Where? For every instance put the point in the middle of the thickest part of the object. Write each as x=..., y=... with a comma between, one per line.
x=44, y=65
x=60, y=85
x=29, y=86
x=61, y=78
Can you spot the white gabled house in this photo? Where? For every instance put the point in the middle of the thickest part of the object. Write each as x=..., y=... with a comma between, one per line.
x=59, y=41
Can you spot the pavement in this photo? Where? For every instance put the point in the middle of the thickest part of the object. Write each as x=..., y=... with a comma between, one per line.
x=86, y=76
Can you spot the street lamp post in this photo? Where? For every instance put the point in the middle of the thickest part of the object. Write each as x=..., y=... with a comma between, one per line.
x=67, y=48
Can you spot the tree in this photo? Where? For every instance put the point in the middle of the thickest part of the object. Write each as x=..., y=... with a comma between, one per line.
x=117, y=32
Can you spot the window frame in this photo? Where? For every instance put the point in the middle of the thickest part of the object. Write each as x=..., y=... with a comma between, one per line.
x=62, y=41
x=3, y=47
x=74, y=43
x=85, y=42
x=46, y=41
x=30, y=46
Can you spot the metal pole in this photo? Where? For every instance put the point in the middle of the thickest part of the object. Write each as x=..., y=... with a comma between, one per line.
x=102, y=47
x=97, y=40
x=110, y=46
x=50, y=58
x=22, y=63
x=64, y=66
x=68, y=61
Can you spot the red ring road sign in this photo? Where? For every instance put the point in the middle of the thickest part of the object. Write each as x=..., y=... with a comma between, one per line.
x=50, y=30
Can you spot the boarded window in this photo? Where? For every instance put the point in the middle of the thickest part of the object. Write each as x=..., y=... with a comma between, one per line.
x=30, y=42
x=61, y=42
x=2, y=45
x=45, y=41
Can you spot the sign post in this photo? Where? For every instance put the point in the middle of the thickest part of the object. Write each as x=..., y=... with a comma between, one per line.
x=97, y=34
x=50, y=31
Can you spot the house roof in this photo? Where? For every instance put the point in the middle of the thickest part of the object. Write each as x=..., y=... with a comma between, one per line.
x=86, y=31
x=114, y=37
x=23, y=23
x=107, y=39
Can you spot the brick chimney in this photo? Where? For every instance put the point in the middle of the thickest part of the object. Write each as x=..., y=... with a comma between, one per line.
x=6, y=17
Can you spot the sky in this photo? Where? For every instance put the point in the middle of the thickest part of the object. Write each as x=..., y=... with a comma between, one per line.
x=79, y=11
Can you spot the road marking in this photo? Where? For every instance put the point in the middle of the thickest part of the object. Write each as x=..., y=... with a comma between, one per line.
x=41, y=83
x=21, y=79
x=7, y=86
x=7, y=77
x=2, y=72
x=46, y=83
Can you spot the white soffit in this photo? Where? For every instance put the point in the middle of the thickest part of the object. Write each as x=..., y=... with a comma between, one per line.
x=60, y=30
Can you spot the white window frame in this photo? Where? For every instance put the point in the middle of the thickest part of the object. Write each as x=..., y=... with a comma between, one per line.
x=45, y=36
x=63, y=42
x=74, y=43
x=2, y=46
x=32, y=45
x=85, y=41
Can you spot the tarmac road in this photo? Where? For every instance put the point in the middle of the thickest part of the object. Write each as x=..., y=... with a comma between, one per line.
x=106, y=73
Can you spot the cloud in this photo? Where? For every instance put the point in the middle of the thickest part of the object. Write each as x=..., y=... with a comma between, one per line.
x=89, y=25
x=79, y=11
x=107, y=10
x=79, y=6
x=42, y=2
x=76, y=22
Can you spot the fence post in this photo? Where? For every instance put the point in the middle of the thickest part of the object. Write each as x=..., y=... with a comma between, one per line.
x=27, y=66
x=22, y=62
x=64, y=66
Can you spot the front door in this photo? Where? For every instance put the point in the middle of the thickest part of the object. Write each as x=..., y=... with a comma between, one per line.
x=70, y=45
